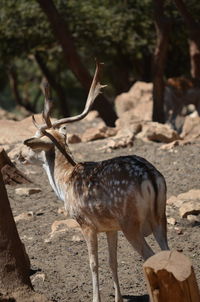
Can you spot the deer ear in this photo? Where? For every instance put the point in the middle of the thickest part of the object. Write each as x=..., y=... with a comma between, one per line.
x=39, y=144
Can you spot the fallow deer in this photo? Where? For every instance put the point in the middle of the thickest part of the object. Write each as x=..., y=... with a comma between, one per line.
x=124, y=193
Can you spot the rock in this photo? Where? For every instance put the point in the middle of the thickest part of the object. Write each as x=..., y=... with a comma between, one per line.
x=178, y=230
x=63, y=211
x=124, y=137
x=129, y=131
x=193, y=218
x=191, y=195
x=138, y=98
x=92, y=134
x=122, y=142
x=172, y=200
x=11, y=175
x=61, y=226
x=5, y=115
x=77, y=238
x=92, y=115
x=38, y=276
x=171, y=146
x=194, y=114
x=73, y=139
x=158, y=132
x=189, y=208
x=24, y=216
x=12, y=132
x=126, y=119
x=27, y=191
x=18, y=152
x=101, y=132
x=171, y=220
x=191, y=128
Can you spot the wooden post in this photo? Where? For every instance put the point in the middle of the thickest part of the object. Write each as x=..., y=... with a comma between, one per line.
x=170, y=278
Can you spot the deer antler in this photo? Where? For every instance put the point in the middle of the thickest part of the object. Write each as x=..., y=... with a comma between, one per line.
x=48, y=104
x=94, y=91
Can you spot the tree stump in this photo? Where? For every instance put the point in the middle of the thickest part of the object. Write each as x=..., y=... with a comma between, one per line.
x=15, y=284
x=11, y=175
x=170, y=278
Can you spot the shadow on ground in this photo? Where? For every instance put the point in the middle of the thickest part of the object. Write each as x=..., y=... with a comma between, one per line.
x=143, y=298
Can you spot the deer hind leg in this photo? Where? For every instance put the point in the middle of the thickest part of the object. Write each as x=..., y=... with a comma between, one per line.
x=160, y=233
x=112, y=248
x=133, y=234
x=92, y=244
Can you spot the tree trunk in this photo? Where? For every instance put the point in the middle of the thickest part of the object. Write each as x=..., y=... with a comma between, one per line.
x=162, y=30
x=194, y=59
x=54, y=84
x=14, y=263
x=15, y=284
x=15, y=91
x=14, y=85
x=170, y=277
x=73, y=61
x=194, y=38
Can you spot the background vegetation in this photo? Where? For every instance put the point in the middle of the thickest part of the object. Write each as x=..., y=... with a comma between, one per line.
x=119, y=33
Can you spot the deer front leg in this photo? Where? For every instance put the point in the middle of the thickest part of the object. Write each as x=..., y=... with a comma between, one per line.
x=92, y=244
x=112, y=248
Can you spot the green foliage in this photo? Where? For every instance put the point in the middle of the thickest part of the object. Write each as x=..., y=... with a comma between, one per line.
x=23, y=28
x=119, y=33
x=112, y=27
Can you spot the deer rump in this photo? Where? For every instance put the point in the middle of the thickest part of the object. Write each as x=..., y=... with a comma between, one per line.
x=103, y=193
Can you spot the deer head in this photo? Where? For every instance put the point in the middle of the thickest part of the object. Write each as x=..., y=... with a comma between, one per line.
x=48, y=135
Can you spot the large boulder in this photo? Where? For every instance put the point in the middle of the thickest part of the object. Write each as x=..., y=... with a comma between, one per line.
x=189, y=208
x=158, y=132
x=138, y=99
x=12, y=132
x=100, y=132
x=191, y=128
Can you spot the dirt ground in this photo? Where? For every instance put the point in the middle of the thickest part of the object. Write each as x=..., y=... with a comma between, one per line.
x=60, y=268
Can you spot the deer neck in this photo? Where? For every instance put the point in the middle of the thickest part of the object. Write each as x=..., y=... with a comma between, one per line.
x=57, y=169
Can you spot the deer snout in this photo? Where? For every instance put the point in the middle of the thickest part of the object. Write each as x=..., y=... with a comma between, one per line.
x=27, y=142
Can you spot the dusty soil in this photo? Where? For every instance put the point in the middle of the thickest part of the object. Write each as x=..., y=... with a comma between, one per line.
x=60, y=267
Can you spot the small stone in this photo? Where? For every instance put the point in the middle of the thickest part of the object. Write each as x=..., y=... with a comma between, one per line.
x=24, y=216
x=61, y=226
x=77, y=238
x=27, y=191
x=99, y=132
x=63, y=211
x=171, y=220
x=38, y=276
x=170, y=146
x=179, y=231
